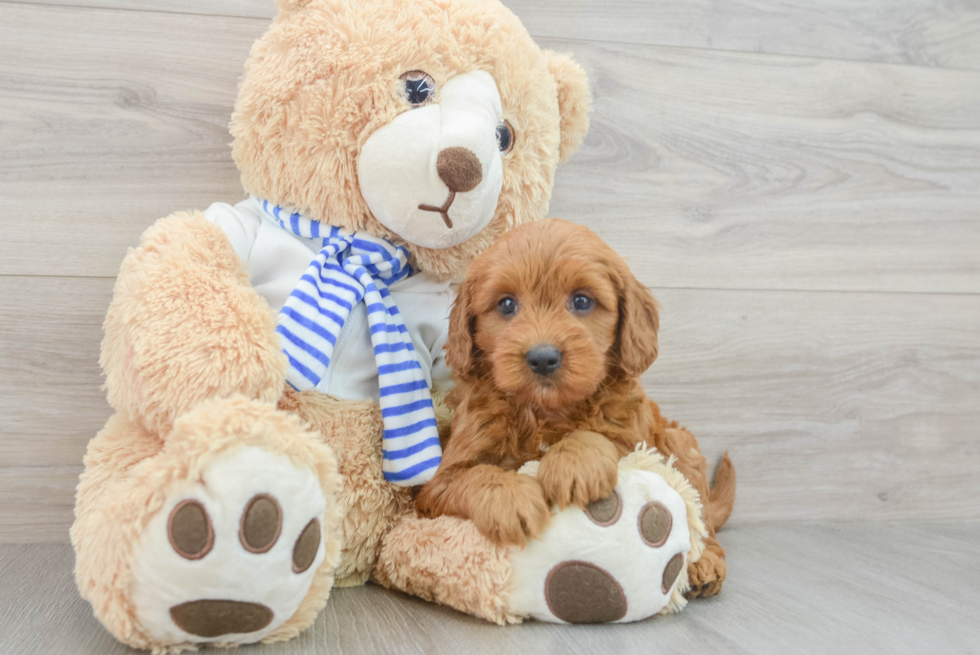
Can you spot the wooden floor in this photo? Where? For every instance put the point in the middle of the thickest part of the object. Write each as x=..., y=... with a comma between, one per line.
x=896, y=589
x=799, y=181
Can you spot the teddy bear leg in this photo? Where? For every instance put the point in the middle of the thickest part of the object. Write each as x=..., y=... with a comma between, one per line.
x=446, y=560
x=371, y=505
x=227, y=531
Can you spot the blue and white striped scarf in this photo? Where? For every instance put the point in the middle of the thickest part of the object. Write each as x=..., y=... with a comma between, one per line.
x=352, y=267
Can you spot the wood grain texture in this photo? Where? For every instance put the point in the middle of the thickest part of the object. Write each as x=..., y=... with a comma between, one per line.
x=919, y=32
x=858, y=589
x=51, y=401
x=38, y=502
x=737, y=170
x=81, y=93
x=833, y=405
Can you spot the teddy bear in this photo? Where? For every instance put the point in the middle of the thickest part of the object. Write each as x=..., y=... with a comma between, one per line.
x=275, y=366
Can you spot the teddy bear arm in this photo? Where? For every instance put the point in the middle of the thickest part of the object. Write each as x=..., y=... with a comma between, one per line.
x=185, y=324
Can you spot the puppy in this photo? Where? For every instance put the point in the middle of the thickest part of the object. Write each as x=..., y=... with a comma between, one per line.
x=548, y=337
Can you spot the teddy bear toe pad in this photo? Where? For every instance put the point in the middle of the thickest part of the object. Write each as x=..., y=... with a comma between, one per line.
x=189, y=530
x=580, y=592
x=230, y=558
x=617, y=561
x=216, y=618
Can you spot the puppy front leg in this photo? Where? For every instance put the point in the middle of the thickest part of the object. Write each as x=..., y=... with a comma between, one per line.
x=582, y=467
x=507, y=507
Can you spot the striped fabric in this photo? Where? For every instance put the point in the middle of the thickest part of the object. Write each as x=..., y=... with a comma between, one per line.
x=351, y=268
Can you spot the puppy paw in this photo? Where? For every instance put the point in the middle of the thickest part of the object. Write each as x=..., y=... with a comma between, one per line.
x=581, y=468
x=707, y=575
x=511, y=509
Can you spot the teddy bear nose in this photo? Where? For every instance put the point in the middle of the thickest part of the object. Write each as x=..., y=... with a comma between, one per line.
x=459, y=168
x=544, y=360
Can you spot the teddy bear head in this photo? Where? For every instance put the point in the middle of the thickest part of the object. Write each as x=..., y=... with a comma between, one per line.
x=436, y=124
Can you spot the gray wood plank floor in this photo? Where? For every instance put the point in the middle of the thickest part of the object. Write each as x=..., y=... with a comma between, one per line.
x=798, y=180
x=888, y=588
x=920, y=32
x=735, y=170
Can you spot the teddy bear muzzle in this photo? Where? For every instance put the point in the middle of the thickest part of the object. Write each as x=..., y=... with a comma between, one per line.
x=433, y=174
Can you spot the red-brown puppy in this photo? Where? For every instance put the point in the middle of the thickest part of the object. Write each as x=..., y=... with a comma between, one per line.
x=548, y=337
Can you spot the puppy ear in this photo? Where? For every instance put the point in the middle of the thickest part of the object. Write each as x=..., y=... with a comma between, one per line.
x=639, y=321
x=459, y=343
x=574, y=102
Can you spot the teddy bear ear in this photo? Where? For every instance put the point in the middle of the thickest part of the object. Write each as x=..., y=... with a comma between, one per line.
x=574, y=102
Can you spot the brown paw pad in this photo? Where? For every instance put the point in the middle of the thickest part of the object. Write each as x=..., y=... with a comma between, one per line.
x=215, y=618
x=261, y=524
x=671, y=571
x=189, y=530
x=580, y=592
x=655, y=523
x=307, y=544
x=605, y=511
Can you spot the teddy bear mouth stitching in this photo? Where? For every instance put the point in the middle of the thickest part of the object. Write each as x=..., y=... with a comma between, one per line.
x=444, y=210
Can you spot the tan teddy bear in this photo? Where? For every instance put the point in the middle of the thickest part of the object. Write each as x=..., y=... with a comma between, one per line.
x=272, y=364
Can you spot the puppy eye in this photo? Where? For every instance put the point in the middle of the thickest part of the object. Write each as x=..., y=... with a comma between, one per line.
x=507, y=306
x=581, y=303
x=505, y=137
x=419, y=87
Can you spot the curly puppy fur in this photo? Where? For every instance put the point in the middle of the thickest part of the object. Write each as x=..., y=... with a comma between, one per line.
x=580, y=419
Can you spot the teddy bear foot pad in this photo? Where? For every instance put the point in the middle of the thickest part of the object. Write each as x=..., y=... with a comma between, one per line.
x=231, y=557
x=621, y=559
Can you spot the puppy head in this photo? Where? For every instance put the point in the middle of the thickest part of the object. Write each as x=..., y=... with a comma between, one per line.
x=548, y=313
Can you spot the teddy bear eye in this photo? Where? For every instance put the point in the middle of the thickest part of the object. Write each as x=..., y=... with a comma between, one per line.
x=419, y=87
x=505, y=137
x=507, y=306
x=581, y=303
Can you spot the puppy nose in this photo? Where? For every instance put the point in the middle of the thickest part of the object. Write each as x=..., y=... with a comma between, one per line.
x=544, y=360
x=459, y=168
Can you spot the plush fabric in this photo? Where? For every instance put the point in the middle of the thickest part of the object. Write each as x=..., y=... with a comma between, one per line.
x=370, y=505
x=462, y=129
x=173, y=591
x=193, y=363
x=130, y=475
x=617, y=547
x=184, y=325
